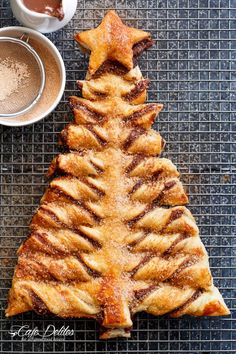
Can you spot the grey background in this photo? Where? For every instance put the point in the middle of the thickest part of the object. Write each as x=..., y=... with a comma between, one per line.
x=192, y=72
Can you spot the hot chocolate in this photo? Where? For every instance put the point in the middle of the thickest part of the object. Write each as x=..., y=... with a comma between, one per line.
x=49, y=7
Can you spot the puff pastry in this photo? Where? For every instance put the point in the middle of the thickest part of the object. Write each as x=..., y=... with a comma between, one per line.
x=111, y=236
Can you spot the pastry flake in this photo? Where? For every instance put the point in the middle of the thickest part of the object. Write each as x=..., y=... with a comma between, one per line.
x=112, y=236
x=111, y=40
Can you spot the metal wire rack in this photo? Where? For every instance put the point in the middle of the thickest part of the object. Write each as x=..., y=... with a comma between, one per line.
x=192, y=70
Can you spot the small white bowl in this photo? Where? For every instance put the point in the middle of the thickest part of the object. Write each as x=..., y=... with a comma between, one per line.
x=42, y=22
x=16, y=32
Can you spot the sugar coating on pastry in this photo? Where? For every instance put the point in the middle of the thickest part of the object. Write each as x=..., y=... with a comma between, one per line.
x=112, y=236
x=111, y=40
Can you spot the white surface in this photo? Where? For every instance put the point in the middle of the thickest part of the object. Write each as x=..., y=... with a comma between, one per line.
x=17, y=32
x=41, y=22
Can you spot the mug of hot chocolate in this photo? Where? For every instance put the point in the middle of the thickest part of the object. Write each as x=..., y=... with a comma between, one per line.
x=45, y=15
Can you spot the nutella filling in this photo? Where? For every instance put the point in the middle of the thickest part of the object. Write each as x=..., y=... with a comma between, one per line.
x=137, y=114
x=139, y=47
x=139, y=88
x=117, y=68
x=76, y=104
x=142, y=293
x=194, y=297
x=38, y=304
x=134, y=134
x=112, y=67
x=137, y=159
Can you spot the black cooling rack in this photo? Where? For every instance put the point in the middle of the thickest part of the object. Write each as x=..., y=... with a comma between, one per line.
x=192, y=70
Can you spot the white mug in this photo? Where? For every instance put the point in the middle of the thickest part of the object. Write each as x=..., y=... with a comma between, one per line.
x=42, y=22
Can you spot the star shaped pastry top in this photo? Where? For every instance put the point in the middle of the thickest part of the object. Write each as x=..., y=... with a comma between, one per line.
x=111, y=40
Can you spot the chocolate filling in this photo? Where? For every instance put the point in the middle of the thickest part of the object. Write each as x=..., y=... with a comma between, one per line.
x=137, y=241
x=65, y=176
x=56, y=171
x=42, y=238
x=88, y=111
x=53, y=251
x=98, y=191
x=45, y=272
x=112, y=67
x=93, y=273
x=64, y=137
x=95, y=243
x=134, y=134
x=167, y=252
x=100, y=95
x=145, y=260
x=97, y=168
x=136, y=186
x=194, y=297
x=139, y=47
x=175, y=214
x=60, y=193
x=134, y=116
x=141, y=215
x=115, y=67
x=169, y=185
x=156, y=175
x=101, y=140
x=185, y=264
x=38, y=305
x=137, y=159
x=142, y=293
x=79, y=84
x=139, y=88
x=52, y=216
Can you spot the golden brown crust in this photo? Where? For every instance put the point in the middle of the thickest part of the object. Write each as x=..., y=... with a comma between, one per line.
x=111, y=40
x=102, y=243
x=131, y=87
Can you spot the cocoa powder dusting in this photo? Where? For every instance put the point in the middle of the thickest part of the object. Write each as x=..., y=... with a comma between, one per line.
x=52, y=83
x=13, y=74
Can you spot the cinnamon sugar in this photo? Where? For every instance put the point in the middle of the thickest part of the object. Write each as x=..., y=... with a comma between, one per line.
x=13, y=75
x=20, y=77
x=52, y=83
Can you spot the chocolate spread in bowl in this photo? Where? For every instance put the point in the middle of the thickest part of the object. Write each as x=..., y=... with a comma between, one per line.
x=49, y=7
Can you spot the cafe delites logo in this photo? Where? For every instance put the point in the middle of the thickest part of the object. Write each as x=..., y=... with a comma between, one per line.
x=26, y=332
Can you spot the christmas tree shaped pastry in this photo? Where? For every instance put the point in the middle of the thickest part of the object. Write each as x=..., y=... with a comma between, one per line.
x=111, y=236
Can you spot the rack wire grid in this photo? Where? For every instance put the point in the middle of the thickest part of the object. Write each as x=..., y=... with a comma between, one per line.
x=192, y=71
